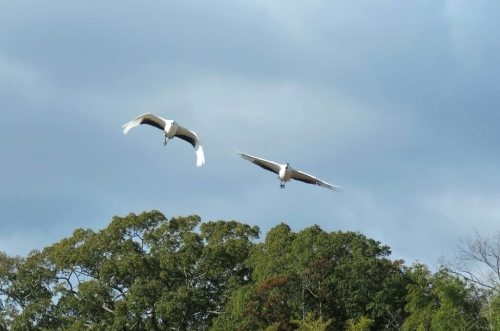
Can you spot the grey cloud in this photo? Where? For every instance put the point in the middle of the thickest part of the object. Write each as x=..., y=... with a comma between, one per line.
x=396, y=102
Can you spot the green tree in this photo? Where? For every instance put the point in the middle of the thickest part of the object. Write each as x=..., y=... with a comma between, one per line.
x=332, y=277
x=442, y=301
x=270, y=305
x=25, y=284
x=477, y=261
x=144, y=272
x=492, y=312
x=363, y=324
x=309, y=324
x=235, y=315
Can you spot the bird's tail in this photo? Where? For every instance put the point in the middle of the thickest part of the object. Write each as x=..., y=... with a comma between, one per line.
x=200, y=157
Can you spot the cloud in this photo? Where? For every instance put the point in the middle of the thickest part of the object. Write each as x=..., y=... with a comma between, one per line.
x=291, y=14
x=394, y=101
x=466, y=210
x=18, y=245
x=475, y=31
x=19, y=79
x=270, y=117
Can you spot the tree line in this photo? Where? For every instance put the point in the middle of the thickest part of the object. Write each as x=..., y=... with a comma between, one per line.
x=147, y=272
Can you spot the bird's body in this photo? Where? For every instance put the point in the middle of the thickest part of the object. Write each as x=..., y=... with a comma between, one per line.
x=285, y=172
x=170, y=129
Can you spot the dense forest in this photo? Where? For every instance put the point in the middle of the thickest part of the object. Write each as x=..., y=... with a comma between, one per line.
x=147, y=272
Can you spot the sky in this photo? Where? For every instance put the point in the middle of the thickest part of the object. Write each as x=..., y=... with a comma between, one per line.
x=394, y=101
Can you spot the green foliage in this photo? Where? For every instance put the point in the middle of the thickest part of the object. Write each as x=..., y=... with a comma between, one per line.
x=309, y=324
x=492, y=313
x=142, y=272
x=145, y=272
x=442, y=301
x=272, y=303
x=25, y=284
x=363, y=324
x=235, y=316
x=329, y=276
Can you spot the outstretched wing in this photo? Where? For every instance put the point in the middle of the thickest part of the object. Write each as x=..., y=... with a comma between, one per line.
x=193, y=139
x=268, y=165
x=306, y=178
x=147, y=118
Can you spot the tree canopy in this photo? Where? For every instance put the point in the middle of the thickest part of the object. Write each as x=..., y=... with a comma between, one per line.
x=147, y=272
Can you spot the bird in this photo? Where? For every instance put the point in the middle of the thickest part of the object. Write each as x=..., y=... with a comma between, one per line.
x=285, y=172
x=171, y=129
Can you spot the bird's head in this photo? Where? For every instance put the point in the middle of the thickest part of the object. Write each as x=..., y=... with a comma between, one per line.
x=286, y=167
x=170, y=128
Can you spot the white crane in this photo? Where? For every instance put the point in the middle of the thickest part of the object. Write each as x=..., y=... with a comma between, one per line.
x=171, y=129
x=285, y=172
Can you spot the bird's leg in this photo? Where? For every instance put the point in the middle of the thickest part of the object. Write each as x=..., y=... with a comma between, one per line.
x=166, y=141
x=282, y=185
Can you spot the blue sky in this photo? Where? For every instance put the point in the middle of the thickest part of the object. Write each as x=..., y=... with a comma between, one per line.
x=397, y=102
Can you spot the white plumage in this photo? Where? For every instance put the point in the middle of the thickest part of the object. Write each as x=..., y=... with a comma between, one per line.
x=285, y=172
x=171, y=129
